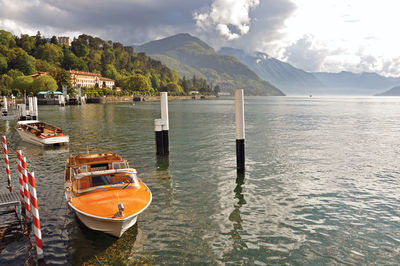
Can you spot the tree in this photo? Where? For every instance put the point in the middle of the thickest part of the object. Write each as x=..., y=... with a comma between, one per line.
x=138, y=83
x=217, y=89
x=22, y=83
x=5, y=82
x=27, y=64
x=26, y=42
x=54, y=40
x=71, y=61
x=155, y=81
x=50, y=53
x=43, y=83
x=7, y=39
x=14, y=73
x=111, y=72
x=39, y=40
x=80, y=49
x=3, y=64
x=61, y=77
x=173, y=87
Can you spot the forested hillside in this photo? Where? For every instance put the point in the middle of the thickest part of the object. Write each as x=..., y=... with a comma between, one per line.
x=136, y=73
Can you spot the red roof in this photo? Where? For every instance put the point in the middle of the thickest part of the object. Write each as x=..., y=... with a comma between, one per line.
x=76, y=72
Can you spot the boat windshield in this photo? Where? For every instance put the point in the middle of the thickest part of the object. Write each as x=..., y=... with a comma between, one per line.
x=93, y=181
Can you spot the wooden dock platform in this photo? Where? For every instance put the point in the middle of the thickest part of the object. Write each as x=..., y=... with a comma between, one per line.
x=11, y=220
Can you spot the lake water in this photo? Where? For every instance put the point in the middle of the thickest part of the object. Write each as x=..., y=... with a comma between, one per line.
x=322, y=183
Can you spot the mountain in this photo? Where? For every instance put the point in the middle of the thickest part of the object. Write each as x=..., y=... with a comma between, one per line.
x=349, y=83
x=392, y=92
x=190, y=56
x=289, y=79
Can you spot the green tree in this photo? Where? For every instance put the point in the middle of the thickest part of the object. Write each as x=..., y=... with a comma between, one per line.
x=22, y=83
x=173, y=87
x=71, y=61
x=26, y=42
x=111, y=72
x=217, y=89
x=61, y=77
x=51, y=53
x=155, y=81
x=138, y=83
x=7, y=39
x=27, y=64
x=80, y=50
x=43, y=83
x=5, y=82
x=14, y=73
x=3, y=64
x=54, y=40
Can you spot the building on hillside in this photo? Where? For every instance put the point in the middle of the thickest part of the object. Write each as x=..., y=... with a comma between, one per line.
x=66, y=40
x=84, y=79
x=40, y=74
x=106, y=82
x=89, y=80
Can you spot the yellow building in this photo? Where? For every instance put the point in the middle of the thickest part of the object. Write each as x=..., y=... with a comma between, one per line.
x=89, y=80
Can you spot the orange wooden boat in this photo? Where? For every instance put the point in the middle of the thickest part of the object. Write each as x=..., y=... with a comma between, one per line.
x=104, y=192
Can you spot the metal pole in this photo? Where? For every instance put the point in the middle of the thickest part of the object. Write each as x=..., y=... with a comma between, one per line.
x=240, y=133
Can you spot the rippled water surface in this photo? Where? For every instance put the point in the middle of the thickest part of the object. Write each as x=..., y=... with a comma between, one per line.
x=322, y=184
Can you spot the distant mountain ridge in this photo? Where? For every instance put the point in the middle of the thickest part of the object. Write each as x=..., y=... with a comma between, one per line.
x=289, y=79
x=358, y=83
x=191, y=56
x=395, y=91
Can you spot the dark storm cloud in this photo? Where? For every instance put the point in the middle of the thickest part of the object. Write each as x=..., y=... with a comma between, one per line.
x=126, y=21
x=138, y=21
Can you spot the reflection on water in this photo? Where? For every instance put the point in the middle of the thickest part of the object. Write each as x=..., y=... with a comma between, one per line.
x=321, y=183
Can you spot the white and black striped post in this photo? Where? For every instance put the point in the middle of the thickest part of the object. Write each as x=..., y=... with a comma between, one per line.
x=164, y=117
x=158, y=125
x=240, y=136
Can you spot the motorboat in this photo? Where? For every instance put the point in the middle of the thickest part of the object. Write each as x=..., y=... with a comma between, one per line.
x=41, y=133
x=105, y=194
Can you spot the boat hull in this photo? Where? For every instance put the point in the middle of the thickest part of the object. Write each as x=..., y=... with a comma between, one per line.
x=115, y=227
x=42, y=141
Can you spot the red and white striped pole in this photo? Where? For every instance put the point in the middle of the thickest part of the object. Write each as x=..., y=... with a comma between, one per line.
x=26, y=187
x=7, y=162
x=21, y=182
x=35, y=215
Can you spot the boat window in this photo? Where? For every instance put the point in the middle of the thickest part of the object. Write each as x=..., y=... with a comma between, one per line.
x=99, y=167
x=118, y=165
x=101, y=180
x=80, y=169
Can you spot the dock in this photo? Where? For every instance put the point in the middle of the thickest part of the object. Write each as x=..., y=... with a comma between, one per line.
x=11, y=225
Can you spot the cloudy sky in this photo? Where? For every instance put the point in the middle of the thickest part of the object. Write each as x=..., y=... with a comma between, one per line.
x=315, y=35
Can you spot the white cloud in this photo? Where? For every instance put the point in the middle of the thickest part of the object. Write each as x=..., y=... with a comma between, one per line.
x=355, y=35
x=230, y=18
